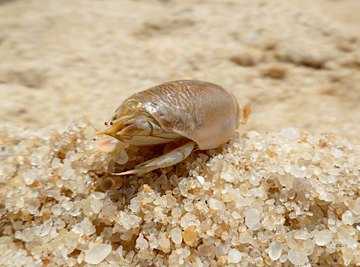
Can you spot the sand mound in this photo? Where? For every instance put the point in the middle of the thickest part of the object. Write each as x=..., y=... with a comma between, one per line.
x=277, y=198
x=263, y=199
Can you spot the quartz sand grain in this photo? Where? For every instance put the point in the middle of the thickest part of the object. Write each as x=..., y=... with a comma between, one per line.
x=276, y=196
x=59, y=205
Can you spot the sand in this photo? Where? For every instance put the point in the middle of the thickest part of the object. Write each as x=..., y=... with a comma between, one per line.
x=296, y=66
x=296, y=62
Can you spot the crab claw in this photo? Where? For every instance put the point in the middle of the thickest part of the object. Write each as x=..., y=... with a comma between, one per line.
x=171, y=158
x=106, y=144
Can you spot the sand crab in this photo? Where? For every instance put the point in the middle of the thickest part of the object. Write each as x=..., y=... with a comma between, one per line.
x=193, y=113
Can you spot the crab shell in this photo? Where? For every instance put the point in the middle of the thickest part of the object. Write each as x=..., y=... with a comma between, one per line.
x=200, y=111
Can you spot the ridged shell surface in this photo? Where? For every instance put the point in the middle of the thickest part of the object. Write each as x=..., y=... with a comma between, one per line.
x=201, y=111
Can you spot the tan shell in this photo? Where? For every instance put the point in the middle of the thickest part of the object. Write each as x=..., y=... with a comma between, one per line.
x=200, y=111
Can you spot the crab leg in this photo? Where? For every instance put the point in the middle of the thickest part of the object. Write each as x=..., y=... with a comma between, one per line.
x=171, y=158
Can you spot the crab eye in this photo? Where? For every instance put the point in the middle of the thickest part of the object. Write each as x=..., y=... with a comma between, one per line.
x=111, y=123
x=106, y=123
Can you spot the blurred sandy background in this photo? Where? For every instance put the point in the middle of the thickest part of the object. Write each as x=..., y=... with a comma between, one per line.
x=297, y=62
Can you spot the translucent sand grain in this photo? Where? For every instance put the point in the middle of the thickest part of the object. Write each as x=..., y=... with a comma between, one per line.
x=262, y=199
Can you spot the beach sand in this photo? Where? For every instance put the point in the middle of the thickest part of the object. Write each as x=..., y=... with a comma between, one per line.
x=284, y=190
